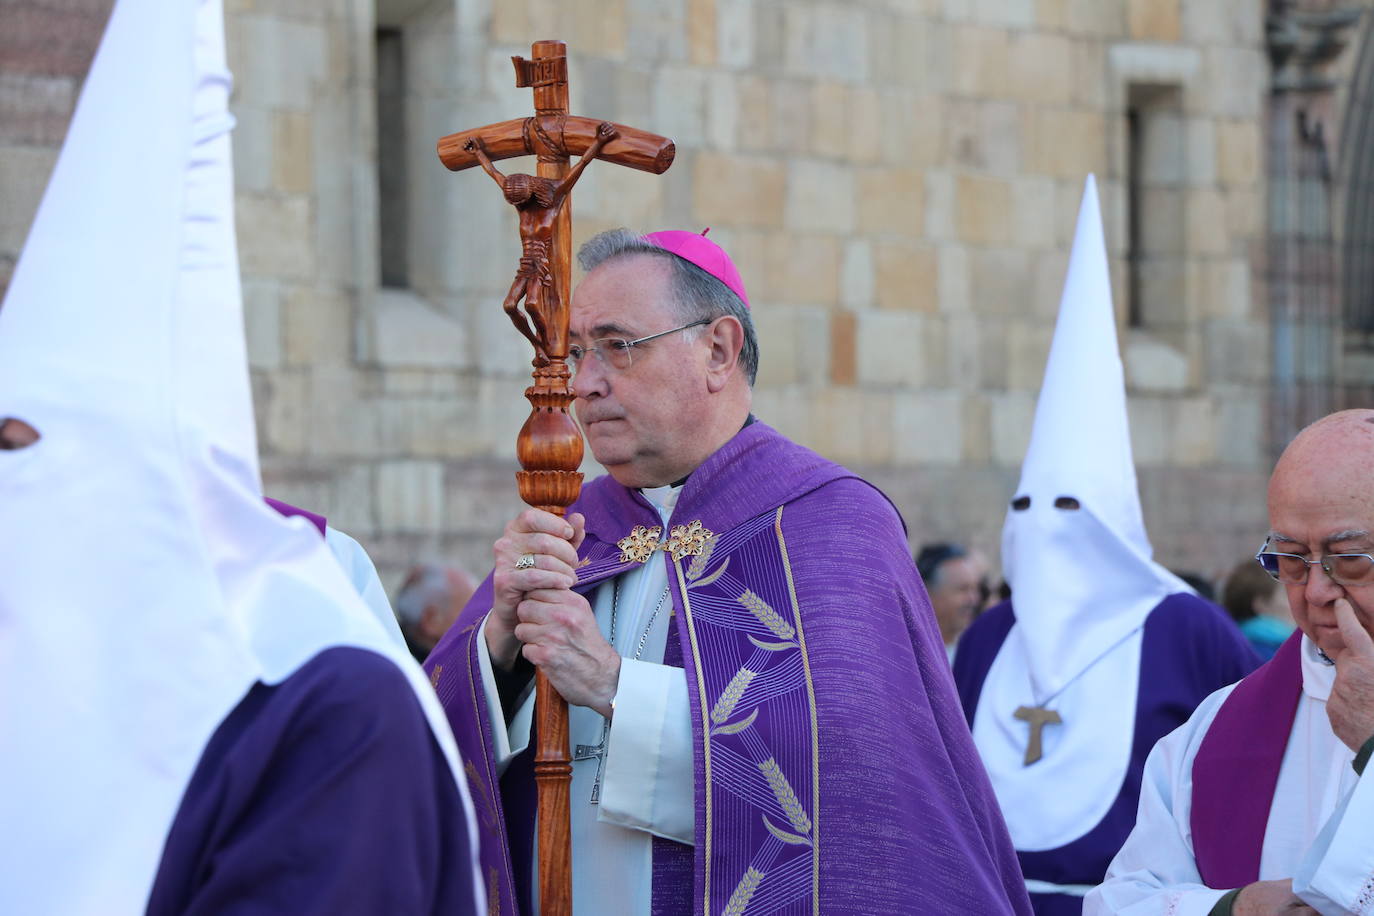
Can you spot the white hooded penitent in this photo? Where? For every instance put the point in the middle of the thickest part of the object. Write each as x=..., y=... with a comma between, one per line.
x=143, y=582
x=1079, y=564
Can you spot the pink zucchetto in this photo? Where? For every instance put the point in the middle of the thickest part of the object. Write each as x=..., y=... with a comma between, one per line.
x=704, y=253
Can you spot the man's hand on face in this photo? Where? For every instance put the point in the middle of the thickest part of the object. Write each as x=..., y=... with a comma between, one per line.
x=1351, y=704
x=1266, y=898
x=552, y=543
x=561, y=638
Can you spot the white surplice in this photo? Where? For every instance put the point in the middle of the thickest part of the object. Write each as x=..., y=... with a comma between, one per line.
x=647, y=788
x=1320, y=830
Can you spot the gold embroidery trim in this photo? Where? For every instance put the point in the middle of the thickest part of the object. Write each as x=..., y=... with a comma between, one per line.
x=434, y=676
x=475, y=692
x=708, y=814
x=815, y=725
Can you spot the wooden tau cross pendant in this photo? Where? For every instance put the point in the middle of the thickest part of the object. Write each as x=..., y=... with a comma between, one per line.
x=1038, y=717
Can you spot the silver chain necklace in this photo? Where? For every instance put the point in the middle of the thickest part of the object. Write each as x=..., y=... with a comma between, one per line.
x=598, y=751
x=615, y=610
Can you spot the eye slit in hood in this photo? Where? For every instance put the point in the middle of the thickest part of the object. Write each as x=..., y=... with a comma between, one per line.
x=16, y=434
x=1021, y=503
x=1068, y=503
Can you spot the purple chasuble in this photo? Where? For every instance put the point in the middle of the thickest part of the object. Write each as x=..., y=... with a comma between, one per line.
x=325, y=793
x=289, y=510
x=1236, y=769
x=1189, y=649
x=833, y=770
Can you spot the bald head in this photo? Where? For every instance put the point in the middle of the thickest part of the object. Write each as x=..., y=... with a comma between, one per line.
x=1321, y=501
x=1341, y=444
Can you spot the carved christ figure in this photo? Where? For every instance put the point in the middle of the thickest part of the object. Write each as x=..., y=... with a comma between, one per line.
x=538, y=201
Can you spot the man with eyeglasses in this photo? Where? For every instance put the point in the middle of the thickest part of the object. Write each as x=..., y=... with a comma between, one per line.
x=1258, y=804
x=761, y=712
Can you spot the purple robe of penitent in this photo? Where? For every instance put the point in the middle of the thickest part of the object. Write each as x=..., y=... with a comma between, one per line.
x=834, y=772
x=323, y=794
x=1189, y=649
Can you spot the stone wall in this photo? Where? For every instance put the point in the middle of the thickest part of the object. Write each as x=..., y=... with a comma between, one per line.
x=897, y=181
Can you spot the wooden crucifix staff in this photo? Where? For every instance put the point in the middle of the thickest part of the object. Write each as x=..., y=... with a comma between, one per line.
x=549, y=446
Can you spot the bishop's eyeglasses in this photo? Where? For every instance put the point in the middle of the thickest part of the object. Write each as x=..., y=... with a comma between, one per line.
x=615, y=352
x=1343, y=568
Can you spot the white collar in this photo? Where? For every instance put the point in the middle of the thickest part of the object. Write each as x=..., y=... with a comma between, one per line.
x=1318, y=675
x=663, y=499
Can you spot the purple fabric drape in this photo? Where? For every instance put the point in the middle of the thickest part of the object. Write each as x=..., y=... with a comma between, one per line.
x=834, y=770
x=325, y=793
x=1236, y=769
x=289, y=510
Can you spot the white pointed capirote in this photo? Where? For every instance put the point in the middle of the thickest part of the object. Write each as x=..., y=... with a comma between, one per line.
x=144, y=586
x=1081, y=579
x=1079, y=564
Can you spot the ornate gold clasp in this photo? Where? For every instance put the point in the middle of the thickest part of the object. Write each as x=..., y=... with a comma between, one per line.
x=686, y=541
x=639, y=544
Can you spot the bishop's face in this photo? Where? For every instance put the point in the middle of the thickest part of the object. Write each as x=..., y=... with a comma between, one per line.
x=641, y=422
x=1317, y=509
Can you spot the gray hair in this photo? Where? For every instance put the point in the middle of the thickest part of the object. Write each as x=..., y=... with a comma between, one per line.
x=426, y=585
x=699, y=296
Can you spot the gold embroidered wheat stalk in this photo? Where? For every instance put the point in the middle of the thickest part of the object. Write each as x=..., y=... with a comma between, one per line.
x=743, y=891
x=731, y=697
x=699, y=562
x=766, y=615
x=786, y=797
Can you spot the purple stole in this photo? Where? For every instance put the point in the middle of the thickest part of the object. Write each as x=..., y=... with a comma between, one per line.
x=289, y=510
x=1237, y=769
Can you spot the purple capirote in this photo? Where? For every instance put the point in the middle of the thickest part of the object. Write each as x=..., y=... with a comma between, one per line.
x=872, y=798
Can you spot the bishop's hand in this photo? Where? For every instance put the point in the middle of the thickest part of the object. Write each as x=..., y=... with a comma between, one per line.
x=559, y=635
x=1351, y=704
x=537, y=551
